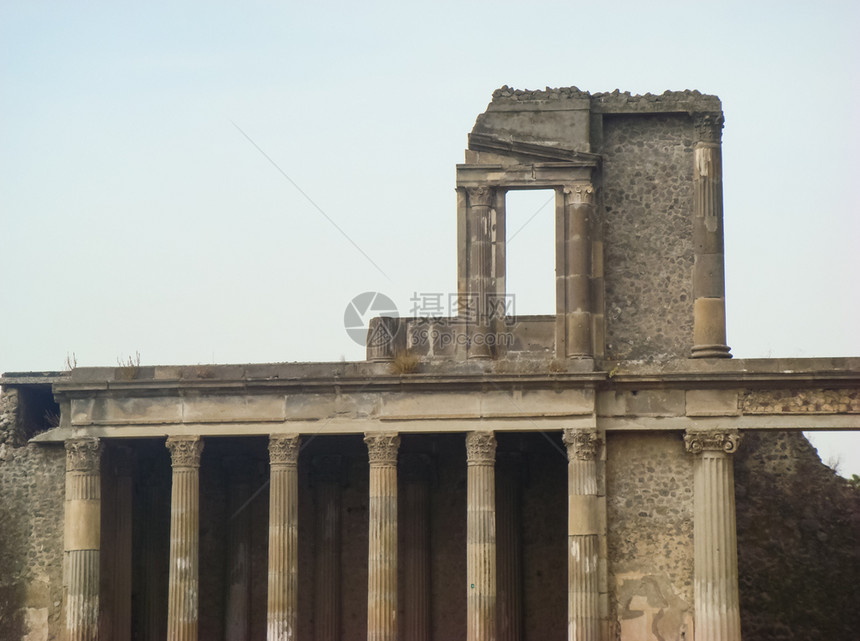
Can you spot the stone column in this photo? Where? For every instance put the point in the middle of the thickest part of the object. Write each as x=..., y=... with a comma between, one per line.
x=327, y=549
x=282, y=618
x=415, y=525
x=709, y=297
x=715, y=545
x=583, y=605
x=82, y=539
x=573, y=273
x=481, y=537
x=382, y=539
x=509, y=547
x=477, y=302
x=237, y=619
x=183, y=589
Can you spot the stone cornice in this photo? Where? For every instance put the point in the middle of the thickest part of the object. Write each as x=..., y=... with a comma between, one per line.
x=463, y=376
x=531, y=150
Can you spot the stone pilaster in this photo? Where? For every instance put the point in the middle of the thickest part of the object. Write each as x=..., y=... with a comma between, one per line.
x=481, y=537
x=477, y=302
x=282, y=618
x=509, y=597
x=709, y=297
x=183, y=587
x=415, y=529
x=382, y=539
x=237, y=619
x=82, y=539
x=573, y=273
x=327, y=484
x=583, y=604
x=715, y=535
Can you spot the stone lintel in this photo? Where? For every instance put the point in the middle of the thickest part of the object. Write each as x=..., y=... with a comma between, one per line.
x=457, y=425
x=712, y=402
x=545, y=175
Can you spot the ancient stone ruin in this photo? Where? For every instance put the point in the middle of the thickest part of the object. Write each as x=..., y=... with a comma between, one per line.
x=591, y=475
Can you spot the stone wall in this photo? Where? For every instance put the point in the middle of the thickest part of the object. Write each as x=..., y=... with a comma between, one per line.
x=798, y=542
x=32, y=492
x=649, y=486
x=648, y=262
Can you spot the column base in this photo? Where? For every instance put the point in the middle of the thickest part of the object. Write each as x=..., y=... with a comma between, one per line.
x=710, y=351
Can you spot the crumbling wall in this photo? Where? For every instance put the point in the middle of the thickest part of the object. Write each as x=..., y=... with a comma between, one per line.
x=32, y=487
x=648, y=243
x=798, y=542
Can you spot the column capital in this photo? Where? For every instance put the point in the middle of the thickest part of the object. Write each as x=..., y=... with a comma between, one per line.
x=83, y=455
x=382, y=447
x=480, y=196
x=582, y=444
x=284, y=449
x=580, y=193
x=698, y=441
x=481, y=448
x=709, y=126
x=185, y=451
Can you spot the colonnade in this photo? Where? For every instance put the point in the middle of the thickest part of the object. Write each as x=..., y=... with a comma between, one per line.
x=491, y=583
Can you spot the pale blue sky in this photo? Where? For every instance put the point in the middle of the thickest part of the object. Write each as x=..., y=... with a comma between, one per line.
x=135, y=216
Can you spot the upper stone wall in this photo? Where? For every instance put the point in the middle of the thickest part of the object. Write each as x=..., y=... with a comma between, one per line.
x=614, y=101
x=643, y=152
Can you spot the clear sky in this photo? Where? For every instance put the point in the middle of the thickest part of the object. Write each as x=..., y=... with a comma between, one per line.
x=137, y=215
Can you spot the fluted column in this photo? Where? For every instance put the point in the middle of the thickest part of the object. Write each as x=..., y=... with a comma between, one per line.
x=715, y=545
x=382, y=539
x=183, y=588
x=415, y=523
x=509, y=596
x=481, y=537
x=82, y=539
x=573, y=273
x=237, y=619
x=478, y=300
x=583, y=608
x=282, y=618
x=327, y=550
x=709, y=295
